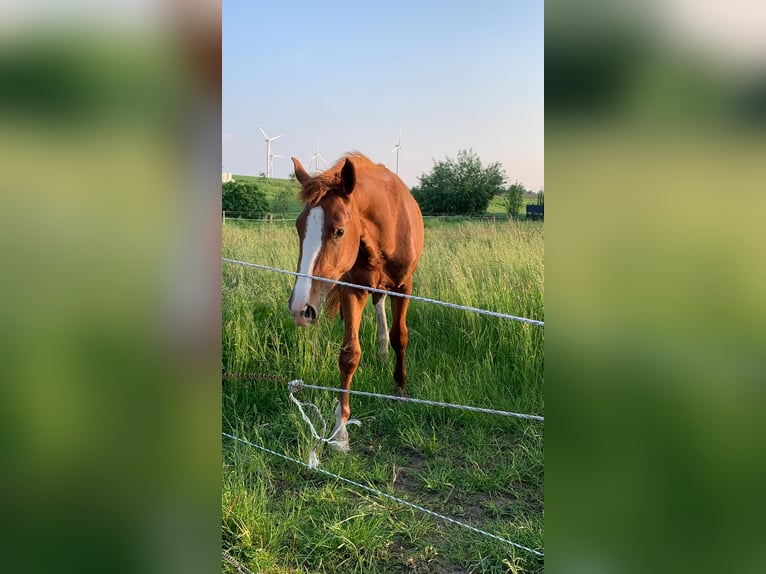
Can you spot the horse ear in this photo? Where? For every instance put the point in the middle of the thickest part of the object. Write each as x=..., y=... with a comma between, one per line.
x=348, y=177
x=300, y=174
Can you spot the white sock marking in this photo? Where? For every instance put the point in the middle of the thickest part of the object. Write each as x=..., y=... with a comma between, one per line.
x=380, y=312
x=340, y=432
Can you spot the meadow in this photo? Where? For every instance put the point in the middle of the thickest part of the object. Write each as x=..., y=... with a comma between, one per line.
x=484, y=470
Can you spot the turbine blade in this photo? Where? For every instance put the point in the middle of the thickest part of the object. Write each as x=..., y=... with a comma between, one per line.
x=263, y=132
x=277, y=137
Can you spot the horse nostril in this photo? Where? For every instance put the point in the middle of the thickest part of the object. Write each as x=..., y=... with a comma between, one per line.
x=310, y=313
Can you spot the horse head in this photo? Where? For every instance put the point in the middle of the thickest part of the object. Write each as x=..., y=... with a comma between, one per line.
x=329, y=234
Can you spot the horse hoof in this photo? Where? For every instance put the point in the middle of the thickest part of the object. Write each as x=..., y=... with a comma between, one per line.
x=339, y=446
x=340, y=440
x=402, y=392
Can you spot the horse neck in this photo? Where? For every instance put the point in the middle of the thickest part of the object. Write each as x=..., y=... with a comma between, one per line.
x=372, y=202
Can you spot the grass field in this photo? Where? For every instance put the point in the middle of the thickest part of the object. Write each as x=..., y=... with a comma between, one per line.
x=484, y=470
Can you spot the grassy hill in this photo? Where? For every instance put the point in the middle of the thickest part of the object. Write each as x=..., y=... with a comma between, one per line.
x=272, y=186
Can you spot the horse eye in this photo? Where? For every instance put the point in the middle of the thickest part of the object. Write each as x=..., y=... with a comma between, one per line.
x=338, y=233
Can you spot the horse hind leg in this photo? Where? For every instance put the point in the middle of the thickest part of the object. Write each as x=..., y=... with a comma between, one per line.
x=399, y=338
x=380, y=312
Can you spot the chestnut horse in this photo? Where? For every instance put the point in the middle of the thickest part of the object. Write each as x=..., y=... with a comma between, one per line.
x=361, y=225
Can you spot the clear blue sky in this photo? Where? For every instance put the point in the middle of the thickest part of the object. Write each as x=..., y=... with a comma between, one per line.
x=454, y=74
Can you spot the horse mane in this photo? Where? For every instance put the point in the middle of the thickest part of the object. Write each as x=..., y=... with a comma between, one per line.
x=318, y=186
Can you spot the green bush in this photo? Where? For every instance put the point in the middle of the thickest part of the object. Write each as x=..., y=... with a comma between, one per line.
x=285, y=203
x=459, y=187
x=243, y=199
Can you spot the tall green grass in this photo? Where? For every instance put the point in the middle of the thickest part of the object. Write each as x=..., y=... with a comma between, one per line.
x=481, y=469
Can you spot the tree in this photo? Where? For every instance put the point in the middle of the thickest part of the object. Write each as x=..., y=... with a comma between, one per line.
x=514, y=199
x=459, y=187
x=244, y=197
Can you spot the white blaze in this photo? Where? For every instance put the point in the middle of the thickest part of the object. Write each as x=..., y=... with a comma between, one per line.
x=312, y=243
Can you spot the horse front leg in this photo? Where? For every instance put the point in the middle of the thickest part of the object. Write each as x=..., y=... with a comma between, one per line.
x=352, y=303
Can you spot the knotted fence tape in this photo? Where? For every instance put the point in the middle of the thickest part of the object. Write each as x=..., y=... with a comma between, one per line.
x=294, y=386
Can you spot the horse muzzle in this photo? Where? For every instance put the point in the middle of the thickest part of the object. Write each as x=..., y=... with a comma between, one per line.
x=305, y=317
x=304, y=303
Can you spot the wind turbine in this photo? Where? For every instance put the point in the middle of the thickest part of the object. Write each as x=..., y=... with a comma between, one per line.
x=269, y=155
x=397, y=148
x=315, y=158
x=271, y=161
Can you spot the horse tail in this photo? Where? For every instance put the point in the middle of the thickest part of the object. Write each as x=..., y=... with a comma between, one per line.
x=332, y=302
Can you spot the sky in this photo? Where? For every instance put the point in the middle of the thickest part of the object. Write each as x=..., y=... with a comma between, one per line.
x=453, y=75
